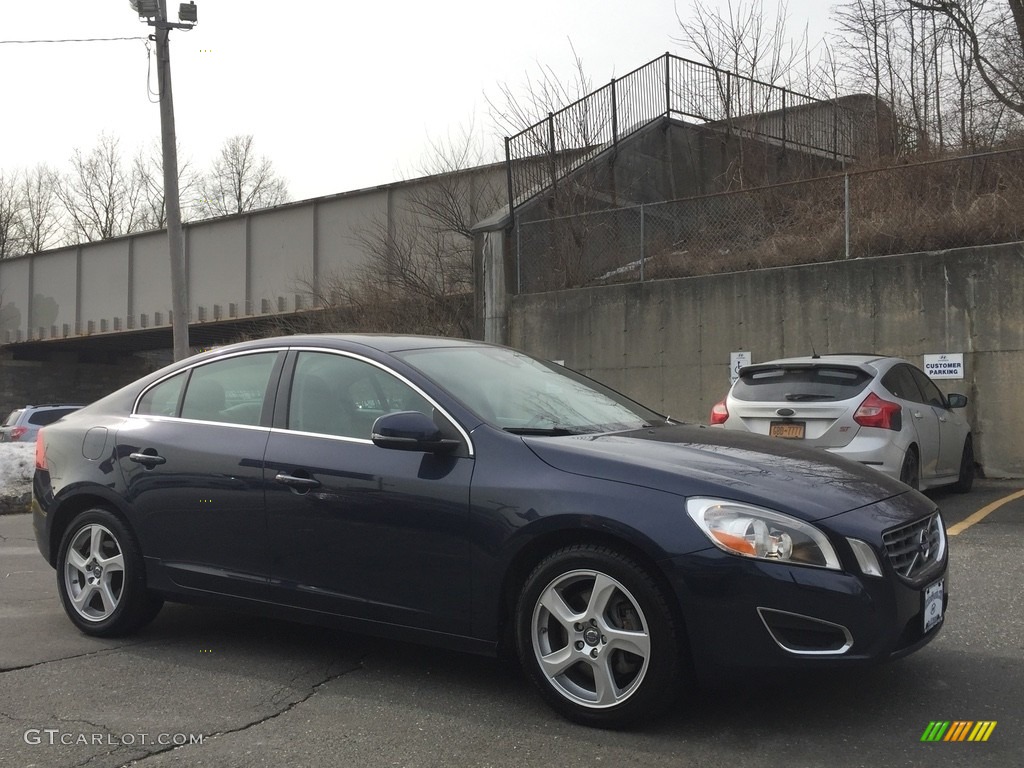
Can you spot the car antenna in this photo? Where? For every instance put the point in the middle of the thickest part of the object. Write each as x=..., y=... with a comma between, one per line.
x=814, y=354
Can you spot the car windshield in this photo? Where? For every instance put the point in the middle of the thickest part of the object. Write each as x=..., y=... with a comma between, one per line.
x=524, y=395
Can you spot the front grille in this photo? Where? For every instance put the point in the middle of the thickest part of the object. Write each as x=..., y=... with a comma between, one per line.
x=914, y=548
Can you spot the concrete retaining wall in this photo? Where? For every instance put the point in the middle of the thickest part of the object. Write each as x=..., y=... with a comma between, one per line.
x=667, y=342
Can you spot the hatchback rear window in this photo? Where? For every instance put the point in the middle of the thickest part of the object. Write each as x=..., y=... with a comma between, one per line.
x=42, y=418
x=13, y=418
x=804, y=384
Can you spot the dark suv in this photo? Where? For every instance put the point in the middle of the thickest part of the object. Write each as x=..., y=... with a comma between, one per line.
x=23, y=424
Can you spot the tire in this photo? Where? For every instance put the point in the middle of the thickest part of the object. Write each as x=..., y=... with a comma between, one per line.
x=101, y=577
x=604, y=657
x=965, y=482
x=910, y=472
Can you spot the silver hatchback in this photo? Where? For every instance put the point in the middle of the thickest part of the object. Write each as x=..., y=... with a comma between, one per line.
x=880, y=411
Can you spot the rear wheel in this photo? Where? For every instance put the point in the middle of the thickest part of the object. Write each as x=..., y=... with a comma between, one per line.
x=910, y=472
x=595, y=633
x=101, y=577
x=966, y=479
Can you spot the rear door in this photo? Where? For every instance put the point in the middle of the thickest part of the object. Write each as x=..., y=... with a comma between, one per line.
x=808, y=401
x=923, y=416
x=948, y=429
x=192, y=459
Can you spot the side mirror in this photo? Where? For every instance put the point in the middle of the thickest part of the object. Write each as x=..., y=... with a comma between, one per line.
x=411, y=431
x=956, y=400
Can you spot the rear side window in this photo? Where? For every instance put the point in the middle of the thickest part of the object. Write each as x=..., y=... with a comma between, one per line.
x=162, y=399
x=230, y=391
x=800, y=385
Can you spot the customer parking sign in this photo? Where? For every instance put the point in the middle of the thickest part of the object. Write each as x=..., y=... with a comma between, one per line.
x=944, y=366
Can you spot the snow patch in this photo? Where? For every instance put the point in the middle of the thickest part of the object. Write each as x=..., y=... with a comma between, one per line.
x=17, y=463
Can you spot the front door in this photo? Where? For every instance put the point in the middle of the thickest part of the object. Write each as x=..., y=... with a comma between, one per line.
x=358, y=530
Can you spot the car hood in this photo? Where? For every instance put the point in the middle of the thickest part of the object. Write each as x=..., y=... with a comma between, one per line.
x=696, y=461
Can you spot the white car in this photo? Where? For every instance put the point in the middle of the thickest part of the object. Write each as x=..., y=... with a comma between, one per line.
x=880, y=411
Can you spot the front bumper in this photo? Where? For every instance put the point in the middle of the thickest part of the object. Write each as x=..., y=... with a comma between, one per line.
x=746, y=613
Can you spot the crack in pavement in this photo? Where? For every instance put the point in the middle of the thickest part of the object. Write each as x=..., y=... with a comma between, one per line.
x=99, y=652
x=355, y=666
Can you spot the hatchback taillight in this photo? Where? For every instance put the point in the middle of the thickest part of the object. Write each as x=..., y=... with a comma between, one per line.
x=17, y=433
x=876, y=412
x=40, y=451
x=719, y=413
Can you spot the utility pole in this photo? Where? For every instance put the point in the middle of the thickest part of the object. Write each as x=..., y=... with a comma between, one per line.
x=156, y=12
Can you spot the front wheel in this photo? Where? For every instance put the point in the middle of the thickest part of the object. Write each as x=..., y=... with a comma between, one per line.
x=101, y=577
x=595, y=634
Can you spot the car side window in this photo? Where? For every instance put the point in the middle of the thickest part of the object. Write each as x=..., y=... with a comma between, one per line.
x=931, y=393
x=44, y=418
x=162, y=399
x=343, y=396
x=230, y=391
x=901, y=384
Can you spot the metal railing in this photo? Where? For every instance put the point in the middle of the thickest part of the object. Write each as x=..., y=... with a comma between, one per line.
x=540, y=156
x=947, y=203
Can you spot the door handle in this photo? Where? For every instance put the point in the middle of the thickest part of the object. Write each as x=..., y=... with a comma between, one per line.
x=918, y=415
x=299, y=483
x=148, y=460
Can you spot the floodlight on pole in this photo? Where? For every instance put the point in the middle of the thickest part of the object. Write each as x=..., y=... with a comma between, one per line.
x=154, y=13
x=145, y=8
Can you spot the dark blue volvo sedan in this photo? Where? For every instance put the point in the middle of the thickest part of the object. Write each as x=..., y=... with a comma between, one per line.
x=471, y=496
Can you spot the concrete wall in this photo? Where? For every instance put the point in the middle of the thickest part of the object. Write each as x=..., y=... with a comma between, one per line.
x=667, y=343
x=30, y=382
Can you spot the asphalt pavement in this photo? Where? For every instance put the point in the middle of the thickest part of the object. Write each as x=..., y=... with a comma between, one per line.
x=207, y=688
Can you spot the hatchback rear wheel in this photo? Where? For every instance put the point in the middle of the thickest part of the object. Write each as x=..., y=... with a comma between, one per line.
x=965, y=481
x=910, y=472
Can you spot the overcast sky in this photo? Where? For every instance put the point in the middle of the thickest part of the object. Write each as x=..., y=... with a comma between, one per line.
x=340, y=95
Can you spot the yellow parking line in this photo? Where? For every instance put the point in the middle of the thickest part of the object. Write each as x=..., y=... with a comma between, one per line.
x=982, y=513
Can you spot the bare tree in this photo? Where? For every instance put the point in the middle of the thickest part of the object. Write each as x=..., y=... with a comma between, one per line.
x=417, y=272
x=515, y=108
x=41, y=224
x=995, y=37
x=101, y=195
x=920, y=62
x=148, y=167
x=746, y=40
x=240, y=181
x=10, y=216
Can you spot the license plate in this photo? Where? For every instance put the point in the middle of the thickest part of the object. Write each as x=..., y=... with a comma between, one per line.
x=932, y=605
x=793, y=430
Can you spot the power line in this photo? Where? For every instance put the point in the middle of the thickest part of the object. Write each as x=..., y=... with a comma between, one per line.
x=71, y=40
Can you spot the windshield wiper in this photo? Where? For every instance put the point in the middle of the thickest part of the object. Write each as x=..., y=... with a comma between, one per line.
x=793, y=397
x=542, y=431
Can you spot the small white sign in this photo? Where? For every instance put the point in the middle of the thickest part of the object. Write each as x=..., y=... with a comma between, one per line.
x=736, y=361
x=944, y=366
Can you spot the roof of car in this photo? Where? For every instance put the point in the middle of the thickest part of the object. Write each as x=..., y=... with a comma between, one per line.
x=383, y=342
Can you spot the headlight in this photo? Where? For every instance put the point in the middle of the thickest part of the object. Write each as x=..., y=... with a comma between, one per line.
x=749, y=531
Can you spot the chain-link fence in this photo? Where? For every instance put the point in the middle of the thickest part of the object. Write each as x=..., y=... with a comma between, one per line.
x=966, y=201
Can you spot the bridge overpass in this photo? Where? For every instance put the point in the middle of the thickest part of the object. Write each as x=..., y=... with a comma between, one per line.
x=101, y=299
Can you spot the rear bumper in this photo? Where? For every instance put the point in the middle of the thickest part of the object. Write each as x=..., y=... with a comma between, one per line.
x=877, y=451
